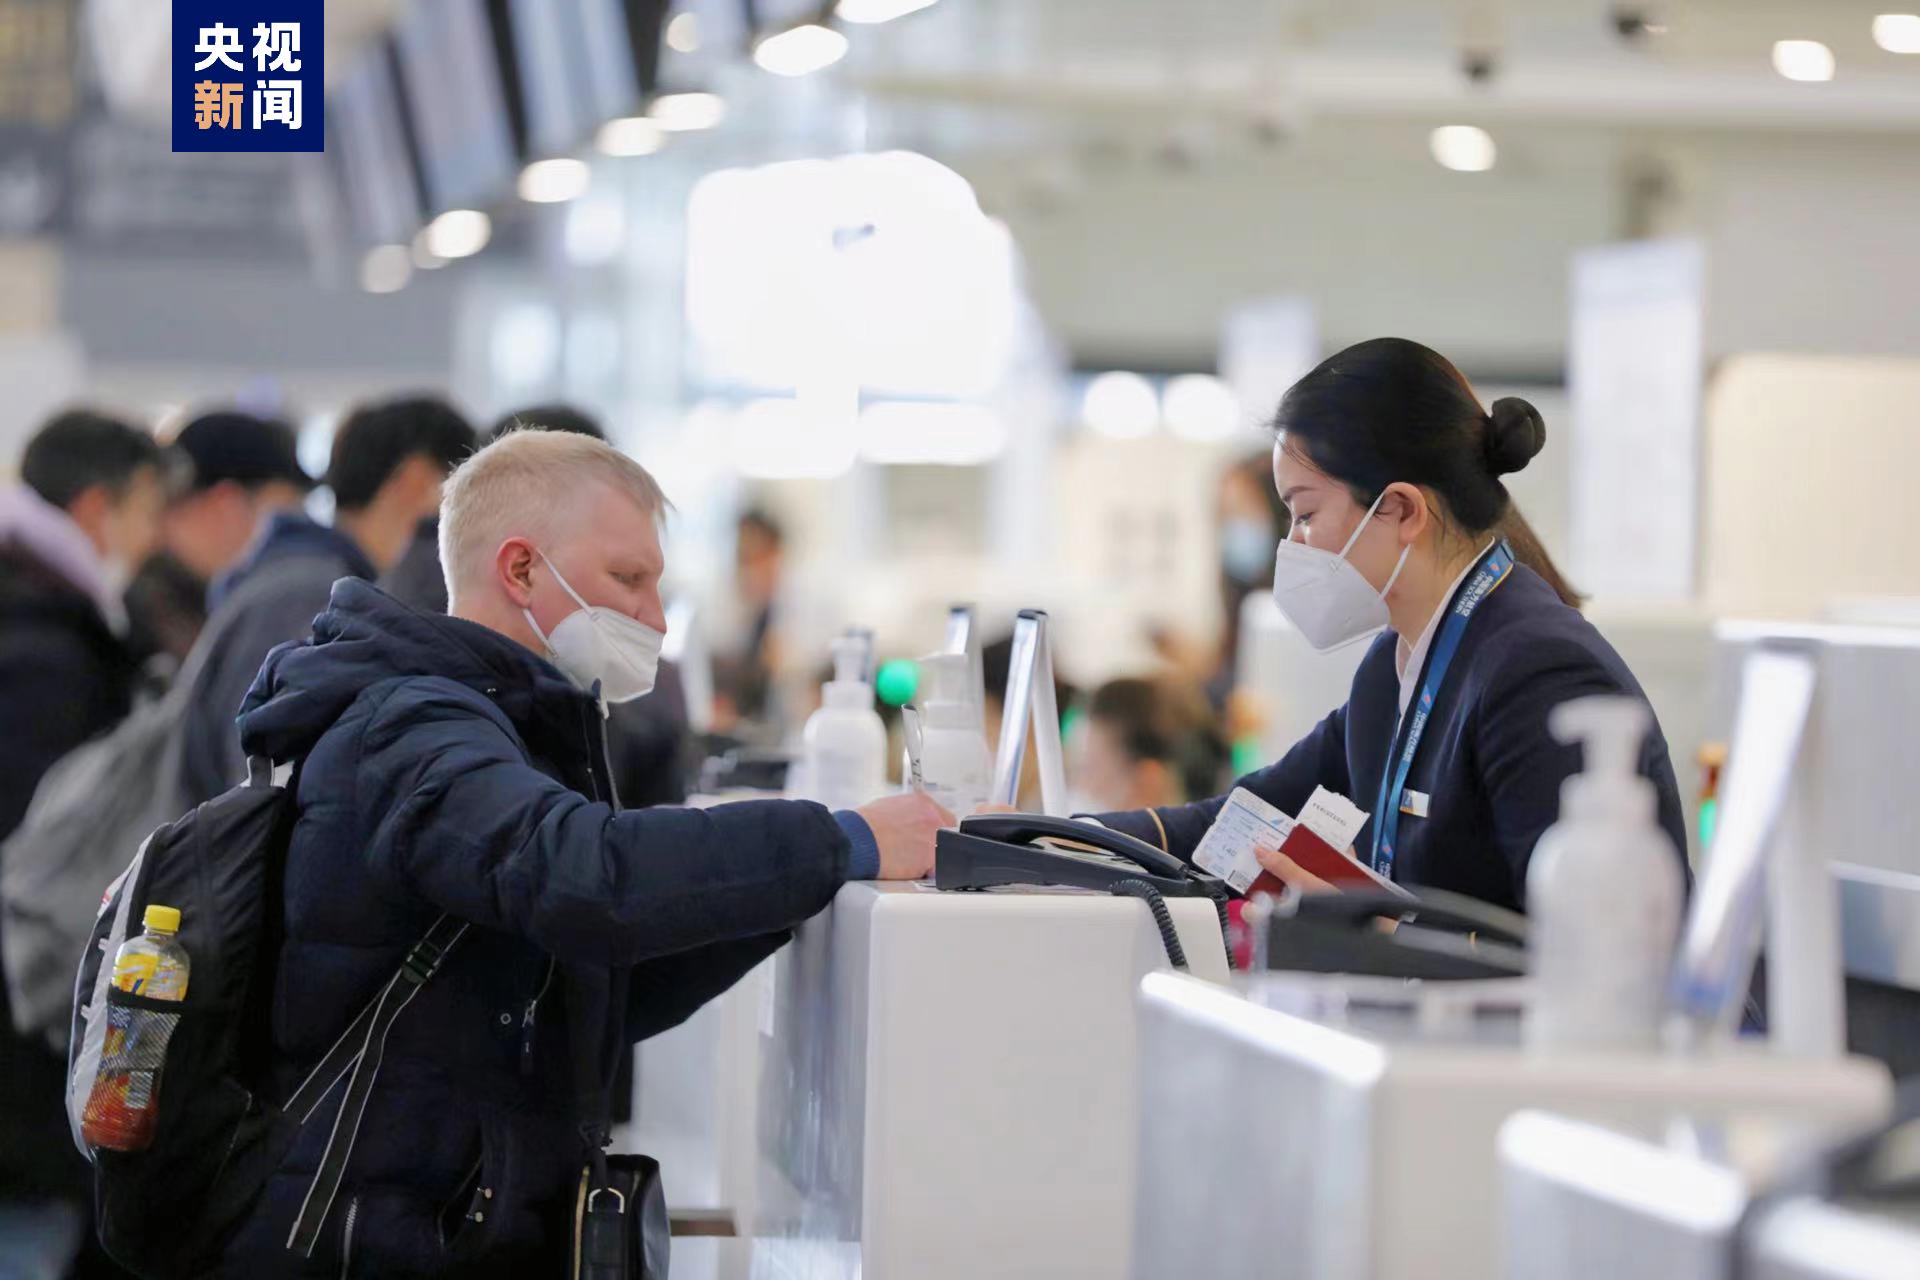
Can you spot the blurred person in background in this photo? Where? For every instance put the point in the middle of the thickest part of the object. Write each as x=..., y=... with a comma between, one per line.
x=1250, y=521
x=996, y=664
x=388, y=462
x=746, y=672
x=87, y=510
x=1145, y=743
x=243, y=469
x=452, y=764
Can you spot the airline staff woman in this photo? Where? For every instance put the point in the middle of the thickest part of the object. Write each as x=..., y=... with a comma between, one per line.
x=1391, y=470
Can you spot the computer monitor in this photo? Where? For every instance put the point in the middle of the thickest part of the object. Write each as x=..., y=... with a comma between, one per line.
x=456, y=102
x=378, y=170
x=1847, y=814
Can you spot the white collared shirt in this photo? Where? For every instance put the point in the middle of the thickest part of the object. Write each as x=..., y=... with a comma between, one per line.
x=1410, y=661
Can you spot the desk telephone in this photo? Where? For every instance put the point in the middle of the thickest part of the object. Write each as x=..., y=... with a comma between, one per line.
x=1445, y=936
x=1031, y=848
x=996, y=849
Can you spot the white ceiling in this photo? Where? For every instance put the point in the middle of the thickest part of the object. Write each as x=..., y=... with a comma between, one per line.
x=1292, y=60
x=1554, y=60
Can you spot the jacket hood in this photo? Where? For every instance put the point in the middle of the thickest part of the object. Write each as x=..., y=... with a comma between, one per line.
x=292, y=533
x=365, y=636
x=49, y=534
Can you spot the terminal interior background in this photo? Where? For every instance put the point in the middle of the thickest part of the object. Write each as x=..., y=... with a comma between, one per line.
x=984, y=305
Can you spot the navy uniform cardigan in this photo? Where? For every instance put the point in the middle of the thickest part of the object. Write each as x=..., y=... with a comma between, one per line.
x=1489, y=765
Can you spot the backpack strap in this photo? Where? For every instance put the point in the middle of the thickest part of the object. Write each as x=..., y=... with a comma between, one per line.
x=360, y=1050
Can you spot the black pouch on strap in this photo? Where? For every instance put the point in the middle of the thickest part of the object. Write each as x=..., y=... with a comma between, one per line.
x=620, y=1229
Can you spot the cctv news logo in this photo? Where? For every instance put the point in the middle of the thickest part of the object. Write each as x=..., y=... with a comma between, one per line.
x=247, y=77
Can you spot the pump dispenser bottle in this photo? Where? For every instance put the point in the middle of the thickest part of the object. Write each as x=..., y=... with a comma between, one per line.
x=955, y=767
x=844, y=746
x=1603, y=892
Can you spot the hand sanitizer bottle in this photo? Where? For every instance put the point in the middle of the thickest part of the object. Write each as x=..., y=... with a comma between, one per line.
x=844, y=746
x=1603, y=892
x=955, y=767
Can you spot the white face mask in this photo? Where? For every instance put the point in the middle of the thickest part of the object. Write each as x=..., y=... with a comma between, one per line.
x=597, y=643
x=1326, y=599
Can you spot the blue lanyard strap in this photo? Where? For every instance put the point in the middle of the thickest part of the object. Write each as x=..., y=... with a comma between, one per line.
x=1492, y=571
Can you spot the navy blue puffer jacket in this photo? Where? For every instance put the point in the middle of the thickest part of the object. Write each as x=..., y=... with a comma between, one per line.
x=448, y=769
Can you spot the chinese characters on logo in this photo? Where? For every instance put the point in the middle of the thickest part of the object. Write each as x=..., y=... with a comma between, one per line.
x=243, y=85
x=217, y=42
x=216, y=105
x=276, y=47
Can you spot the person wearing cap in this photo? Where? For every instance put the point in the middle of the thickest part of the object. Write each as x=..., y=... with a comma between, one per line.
x=389, y=459
x=239, y=470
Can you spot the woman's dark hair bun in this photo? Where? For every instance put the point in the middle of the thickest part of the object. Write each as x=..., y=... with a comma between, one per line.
x=1515, y=432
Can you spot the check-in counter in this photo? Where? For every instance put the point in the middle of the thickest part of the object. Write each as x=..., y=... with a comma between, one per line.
x=949, y=1082
x=1344, y=1129
x=1694, y=1202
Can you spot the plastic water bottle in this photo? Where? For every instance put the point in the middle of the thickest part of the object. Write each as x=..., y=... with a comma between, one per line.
x=125, y=1101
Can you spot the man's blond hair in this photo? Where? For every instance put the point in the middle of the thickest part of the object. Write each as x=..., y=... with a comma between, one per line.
x=528, y=484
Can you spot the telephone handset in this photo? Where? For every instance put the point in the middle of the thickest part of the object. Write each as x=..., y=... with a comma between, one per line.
x=989, y=850
x=1444, y=935
x=1426, y=908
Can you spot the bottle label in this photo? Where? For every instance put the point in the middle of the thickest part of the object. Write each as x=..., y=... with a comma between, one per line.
x=150, y=973
x=135, y=972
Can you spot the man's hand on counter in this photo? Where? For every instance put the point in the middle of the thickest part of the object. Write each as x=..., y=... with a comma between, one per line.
x=904, y=826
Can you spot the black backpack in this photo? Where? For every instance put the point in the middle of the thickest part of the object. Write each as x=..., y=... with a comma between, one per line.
x=165, y=1212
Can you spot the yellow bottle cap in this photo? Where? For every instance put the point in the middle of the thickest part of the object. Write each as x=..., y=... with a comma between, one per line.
x=162, y=919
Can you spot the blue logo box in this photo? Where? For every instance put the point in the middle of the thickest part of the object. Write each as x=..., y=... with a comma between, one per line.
x=248, y=76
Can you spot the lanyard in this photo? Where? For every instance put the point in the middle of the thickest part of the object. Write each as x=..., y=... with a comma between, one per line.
x=1493, y=570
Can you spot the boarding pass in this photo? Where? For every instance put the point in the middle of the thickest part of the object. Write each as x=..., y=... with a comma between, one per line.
x=1245, y=823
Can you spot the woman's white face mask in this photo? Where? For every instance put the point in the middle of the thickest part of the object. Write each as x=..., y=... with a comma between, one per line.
x=1326, y=599
x=595, y=643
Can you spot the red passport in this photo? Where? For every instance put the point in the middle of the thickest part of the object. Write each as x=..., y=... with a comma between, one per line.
x=1316, y=857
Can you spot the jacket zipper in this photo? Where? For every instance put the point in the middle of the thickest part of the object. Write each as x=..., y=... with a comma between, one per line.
x=465, y=1189
x=597, y=765
x=527, y=1021
x=346, y=1239
x=599, y=759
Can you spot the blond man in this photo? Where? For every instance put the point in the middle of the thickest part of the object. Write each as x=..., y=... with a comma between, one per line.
x=454, y=767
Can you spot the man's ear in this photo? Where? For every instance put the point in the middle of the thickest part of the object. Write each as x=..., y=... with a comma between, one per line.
x=513, y=565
